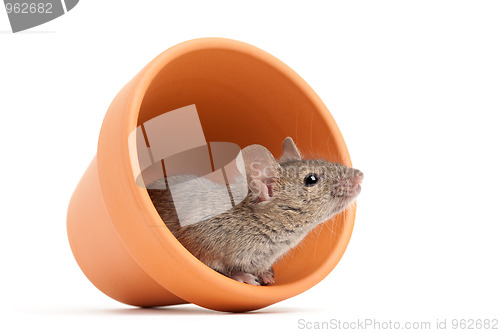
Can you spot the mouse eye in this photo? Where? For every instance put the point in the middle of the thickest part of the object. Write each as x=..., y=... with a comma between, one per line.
x=311, y=179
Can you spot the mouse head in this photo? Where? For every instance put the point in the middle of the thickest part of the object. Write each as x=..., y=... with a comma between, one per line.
x=317, y=189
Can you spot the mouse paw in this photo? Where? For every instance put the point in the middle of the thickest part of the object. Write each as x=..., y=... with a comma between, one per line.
x=245, y=278
x=267, y=277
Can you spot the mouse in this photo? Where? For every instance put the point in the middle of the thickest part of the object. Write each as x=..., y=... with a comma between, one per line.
x=287, y=198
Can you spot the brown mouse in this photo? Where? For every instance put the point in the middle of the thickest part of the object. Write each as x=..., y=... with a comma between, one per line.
x=286, y=200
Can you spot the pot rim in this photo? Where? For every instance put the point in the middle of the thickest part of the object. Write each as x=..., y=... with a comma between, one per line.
x=116, y=176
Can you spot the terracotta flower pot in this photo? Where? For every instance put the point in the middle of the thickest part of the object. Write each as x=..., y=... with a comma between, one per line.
x=243, y=95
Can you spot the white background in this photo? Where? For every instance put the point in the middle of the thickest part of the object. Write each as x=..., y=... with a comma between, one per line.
x=413, y=85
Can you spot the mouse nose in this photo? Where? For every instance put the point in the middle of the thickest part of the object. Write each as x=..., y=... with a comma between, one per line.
x=358, y=176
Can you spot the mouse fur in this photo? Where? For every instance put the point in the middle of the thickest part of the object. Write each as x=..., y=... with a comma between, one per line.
x=286, y=199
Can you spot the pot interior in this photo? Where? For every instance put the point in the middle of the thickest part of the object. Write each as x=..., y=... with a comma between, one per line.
x=242, y=99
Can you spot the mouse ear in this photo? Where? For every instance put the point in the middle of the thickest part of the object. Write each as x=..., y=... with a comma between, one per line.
x=261, y=170
x=289, y=150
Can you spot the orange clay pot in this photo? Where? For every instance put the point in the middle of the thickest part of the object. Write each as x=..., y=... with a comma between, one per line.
x=116, y=235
